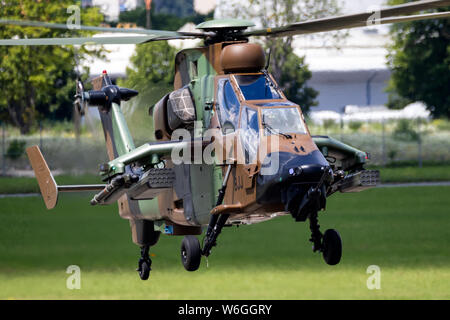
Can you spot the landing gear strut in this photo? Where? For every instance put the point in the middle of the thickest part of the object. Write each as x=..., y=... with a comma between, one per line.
x=329, y=243
x=144, y=264
x=214, y=229
x=145, y=236
x=217, y=222
x=316, y=235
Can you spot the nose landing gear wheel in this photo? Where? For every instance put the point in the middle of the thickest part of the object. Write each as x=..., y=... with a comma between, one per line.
x=191, y=253
x=332, y=247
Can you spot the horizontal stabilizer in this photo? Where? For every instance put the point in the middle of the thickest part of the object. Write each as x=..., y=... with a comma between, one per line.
x=47, y=184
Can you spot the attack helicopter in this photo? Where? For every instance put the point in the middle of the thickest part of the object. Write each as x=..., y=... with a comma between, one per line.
x=265, y=164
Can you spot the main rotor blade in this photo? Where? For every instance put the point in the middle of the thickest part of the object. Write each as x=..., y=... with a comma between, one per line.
x=86, y=40
x=354, y=20
x=50, y=25
x=427, y=16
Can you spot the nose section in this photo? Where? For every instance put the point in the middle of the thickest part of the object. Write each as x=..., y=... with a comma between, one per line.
x=307, y=173
x=301, y=171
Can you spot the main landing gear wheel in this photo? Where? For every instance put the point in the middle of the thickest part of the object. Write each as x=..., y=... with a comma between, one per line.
x=191, y=254
x=330, y=243
x=332, y=247
x=144, y=271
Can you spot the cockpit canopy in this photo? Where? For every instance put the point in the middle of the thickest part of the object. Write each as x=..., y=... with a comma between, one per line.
x=282, y=119
x=257, y=87
x=260, y=93
x=253, y=105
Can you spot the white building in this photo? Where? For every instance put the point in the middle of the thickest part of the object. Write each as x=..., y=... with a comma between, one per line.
x=112, y=8
x=374, y=113
x=356, y=74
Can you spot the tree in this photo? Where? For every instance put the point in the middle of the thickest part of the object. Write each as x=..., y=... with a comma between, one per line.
x=292, y=78
x=289, y=70
x=152, y=64
x=420, y=62
x=151, y=72
x=33, y=77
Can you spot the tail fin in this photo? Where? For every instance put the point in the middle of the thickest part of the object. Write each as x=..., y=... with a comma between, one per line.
x=47, y=183
x=117, y=135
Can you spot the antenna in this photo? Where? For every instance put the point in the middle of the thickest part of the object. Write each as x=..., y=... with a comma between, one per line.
x=268, y=59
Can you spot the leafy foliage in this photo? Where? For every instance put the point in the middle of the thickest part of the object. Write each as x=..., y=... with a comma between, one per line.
x=355, y=125
x=38, y=81
x=405, y=131
x=151, y=73
x=15, y=149
x=152, y=63
x=420, y=63
x=328, y=124
x=293, y=77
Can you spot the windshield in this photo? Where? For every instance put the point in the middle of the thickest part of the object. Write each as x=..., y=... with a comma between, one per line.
x=257, y=87
x=228, y=105
x=287, y=120
x=250, y=134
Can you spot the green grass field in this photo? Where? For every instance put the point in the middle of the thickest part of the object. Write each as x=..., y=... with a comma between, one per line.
x=9, y=185
x=405, y=231
x=415, y=174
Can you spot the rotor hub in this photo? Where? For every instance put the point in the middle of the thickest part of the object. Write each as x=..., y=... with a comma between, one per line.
x=221, y=30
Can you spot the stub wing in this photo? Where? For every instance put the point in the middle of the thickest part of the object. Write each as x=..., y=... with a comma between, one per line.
x=143, y=183
x=140, y=187
x=348, y=164
x=341, y=156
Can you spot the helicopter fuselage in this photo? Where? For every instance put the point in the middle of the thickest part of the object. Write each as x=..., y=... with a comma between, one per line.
x=275, y=160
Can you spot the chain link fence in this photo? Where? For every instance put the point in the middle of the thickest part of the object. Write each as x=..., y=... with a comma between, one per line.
x=394, y=142
x=63, y=154
x=388, y=144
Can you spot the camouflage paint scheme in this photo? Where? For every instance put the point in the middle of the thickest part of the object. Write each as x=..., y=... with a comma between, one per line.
x=200, y=69
x=186, y=195
x=157, y=194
